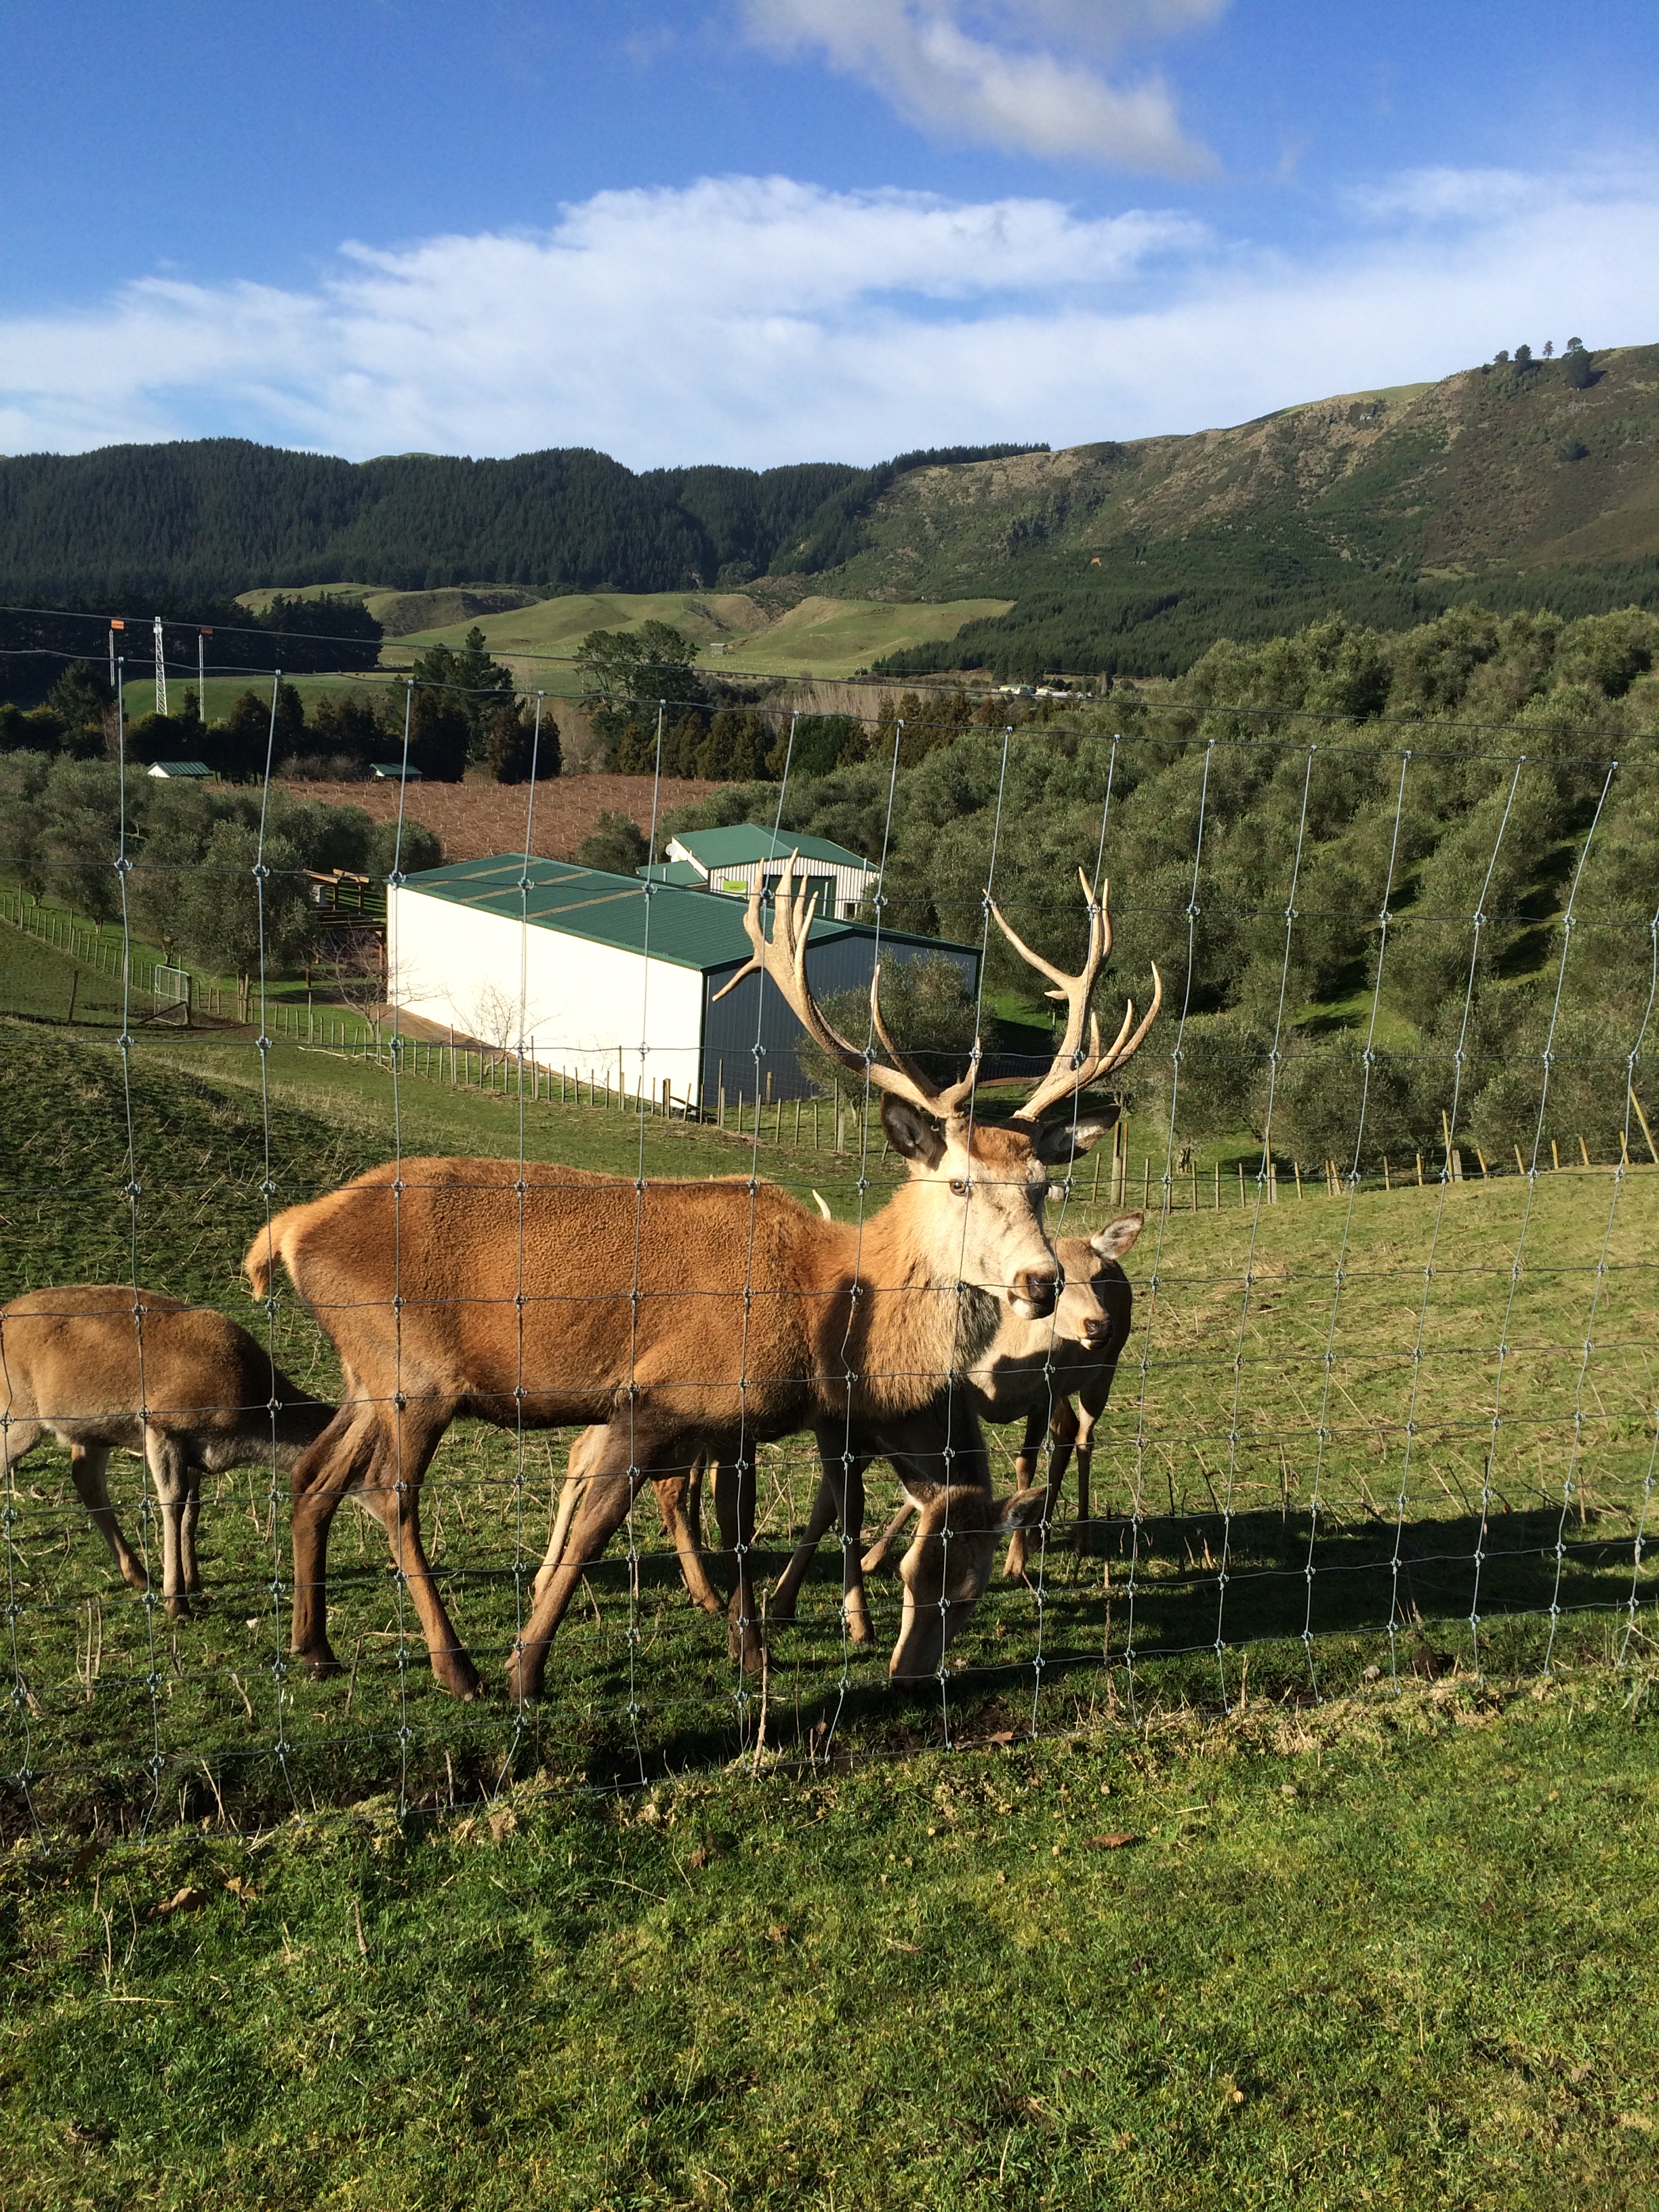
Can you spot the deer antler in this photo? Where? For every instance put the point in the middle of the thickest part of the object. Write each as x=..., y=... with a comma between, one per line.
x=784, y=959
x=1073, y=1068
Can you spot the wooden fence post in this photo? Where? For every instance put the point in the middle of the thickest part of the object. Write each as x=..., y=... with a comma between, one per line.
x=1646, y=1132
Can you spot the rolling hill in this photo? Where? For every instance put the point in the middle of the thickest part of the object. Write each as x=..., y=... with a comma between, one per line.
x=1527, y=485
x=816, y=636
x=1522, y=484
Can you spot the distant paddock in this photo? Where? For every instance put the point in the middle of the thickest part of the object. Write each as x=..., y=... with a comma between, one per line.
x=476, y=818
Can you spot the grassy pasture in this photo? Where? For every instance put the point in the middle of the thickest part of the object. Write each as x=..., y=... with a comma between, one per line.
x=1393, y=1952
x=1382, y=1933
x=1317, y=1463
x=819, y=637
x=223, y=691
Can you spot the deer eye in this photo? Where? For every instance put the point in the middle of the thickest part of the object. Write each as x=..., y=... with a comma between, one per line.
x=959, y=1185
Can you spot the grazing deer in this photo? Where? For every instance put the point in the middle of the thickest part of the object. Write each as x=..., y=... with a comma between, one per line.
x=691, y=1319
x=104, y=1368
x=1031, y=1372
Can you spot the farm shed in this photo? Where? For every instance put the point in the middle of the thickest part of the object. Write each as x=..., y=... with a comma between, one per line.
x=173, y=771
x=745, y=858
x=618, y=976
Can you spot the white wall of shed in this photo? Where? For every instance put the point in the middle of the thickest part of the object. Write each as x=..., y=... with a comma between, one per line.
x=459, y=968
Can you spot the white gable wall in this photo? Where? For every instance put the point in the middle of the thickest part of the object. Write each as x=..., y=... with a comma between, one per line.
x=851, y=883
x=463, y=969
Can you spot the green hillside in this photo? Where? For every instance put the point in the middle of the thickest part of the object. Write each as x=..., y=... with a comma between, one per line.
x=218, y=515
x=1525, y=486
x=816, y=637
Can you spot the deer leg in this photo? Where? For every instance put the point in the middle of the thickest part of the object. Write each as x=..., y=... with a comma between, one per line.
x=884, y=1543
x=89, y=1466
x=166, y=1458
x=826, y=1506
x=322, y=1475
x=1062, y=1427
x=734, y=1507
x=187, y=1521
x=1087, y=1416
x=391, y=1493
x=679, y=1500
x=570, y=1497
x=854, y=1611
x=610, y=1484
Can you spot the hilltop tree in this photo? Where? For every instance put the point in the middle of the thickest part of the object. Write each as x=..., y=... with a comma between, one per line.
x=82, y=701
x=476, y=685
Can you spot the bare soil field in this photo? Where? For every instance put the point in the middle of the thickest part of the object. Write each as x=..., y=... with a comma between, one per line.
x=476, y=818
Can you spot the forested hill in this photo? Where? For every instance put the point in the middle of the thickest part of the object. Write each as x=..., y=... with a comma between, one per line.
x=1521, y=483
x=220, y=515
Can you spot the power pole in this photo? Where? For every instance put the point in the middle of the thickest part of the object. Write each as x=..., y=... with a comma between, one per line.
x=160, y=672
x=202, y=637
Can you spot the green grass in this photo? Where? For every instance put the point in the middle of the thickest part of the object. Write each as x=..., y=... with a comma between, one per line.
x=1389, y=1952
x=1393, y=1947
x=819, y=637
x=1312, y=1388
x=223, y=691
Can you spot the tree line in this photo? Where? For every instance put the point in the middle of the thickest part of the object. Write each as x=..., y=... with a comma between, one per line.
x=215, y=516
x=459, y=709
x=191, y=888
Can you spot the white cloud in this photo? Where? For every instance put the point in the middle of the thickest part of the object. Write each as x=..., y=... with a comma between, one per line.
x=760, y=321
x=1001, y=90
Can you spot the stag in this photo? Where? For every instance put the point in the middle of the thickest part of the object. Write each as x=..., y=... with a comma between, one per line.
x=1033, y=1371
x=104, y=1368
x=691, y=1320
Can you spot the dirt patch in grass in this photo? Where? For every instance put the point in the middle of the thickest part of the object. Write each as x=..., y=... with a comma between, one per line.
x=477, y=818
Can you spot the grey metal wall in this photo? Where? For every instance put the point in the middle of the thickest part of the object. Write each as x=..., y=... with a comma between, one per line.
x=729, y=1035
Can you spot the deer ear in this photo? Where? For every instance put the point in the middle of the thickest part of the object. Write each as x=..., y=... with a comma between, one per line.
x=912, y=1134
x=1023, y=1510
x=1118, y=1237
x=1056, y=1142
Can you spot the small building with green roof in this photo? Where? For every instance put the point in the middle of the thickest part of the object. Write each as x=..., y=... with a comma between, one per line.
x=746, y=857
x=614, y=978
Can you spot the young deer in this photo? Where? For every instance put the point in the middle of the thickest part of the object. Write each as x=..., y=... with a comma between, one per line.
x=103, y=1368
x=689, y=1319
x=1031, y=1372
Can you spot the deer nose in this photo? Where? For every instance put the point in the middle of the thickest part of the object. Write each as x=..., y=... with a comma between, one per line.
x=1034, y=1290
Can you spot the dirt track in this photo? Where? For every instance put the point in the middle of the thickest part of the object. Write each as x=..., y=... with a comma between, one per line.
x=476, y=818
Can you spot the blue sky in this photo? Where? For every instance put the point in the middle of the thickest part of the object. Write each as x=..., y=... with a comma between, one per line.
x=764, y=230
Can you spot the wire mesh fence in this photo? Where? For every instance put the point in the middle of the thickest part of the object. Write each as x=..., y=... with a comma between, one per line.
x=1350, y=1377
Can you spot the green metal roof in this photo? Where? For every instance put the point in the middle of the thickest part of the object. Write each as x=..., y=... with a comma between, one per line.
x=674, y=872
x=686, y=928
x=179, y=768
x=744, y=844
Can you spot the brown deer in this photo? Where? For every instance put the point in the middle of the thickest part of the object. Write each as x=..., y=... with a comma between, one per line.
x=691, y=1319
x=1032, y=1370
x=104, y=1368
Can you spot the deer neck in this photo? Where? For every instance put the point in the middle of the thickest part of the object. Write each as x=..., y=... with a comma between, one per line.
x=910, y=1322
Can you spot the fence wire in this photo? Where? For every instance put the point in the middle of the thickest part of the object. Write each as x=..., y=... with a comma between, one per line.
x=1383, y=1410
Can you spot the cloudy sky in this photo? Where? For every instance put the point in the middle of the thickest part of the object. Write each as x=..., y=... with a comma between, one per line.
x=760, y=231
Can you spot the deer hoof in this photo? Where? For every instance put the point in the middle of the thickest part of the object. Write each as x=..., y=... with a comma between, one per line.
x=456, y=1673
x=320, y=1665
x=179, y=1606
x=134, y=1575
